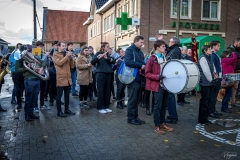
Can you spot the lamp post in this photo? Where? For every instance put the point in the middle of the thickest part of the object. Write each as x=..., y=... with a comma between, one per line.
x=178, y=18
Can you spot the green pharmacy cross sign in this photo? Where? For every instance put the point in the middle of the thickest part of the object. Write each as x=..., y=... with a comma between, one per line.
x=124, y=21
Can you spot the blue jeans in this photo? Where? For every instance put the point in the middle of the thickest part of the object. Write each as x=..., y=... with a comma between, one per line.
x=73, y=77
x=32, y=88
x=226, y=98
x=14, y=93
x=172, y=111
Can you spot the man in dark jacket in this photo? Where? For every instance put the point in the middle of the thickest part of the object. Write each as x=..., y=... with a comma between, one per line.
x=174, y=52
x=215, y=47
x=235, y=48
x=134, y=52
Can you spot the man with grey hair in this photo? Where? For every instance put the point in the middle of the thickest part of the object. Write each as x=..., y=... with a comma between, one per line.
x=173, y=52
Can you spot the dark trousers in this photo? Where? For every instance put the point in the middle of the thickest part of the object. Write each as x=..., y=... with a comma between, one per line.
x=104, y=90
x=160, y=105
x=47, y=89
x=18, y=81
x=92, y=87
x=181, y=97
x=226, y=98
x=52, y=87
x=120, y=89
x=14, y=93
x=112, y=84
x=32, y=87
x=147, y=99
x=206, y=93
x=172, y=110
x=43, y=85
x=60, y=90
x=83, y=92
x=213, y=98
x=133, y=90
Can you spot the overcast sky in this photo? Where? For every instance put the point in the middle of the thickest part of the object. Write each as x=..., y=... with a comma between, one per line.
x=16, y=17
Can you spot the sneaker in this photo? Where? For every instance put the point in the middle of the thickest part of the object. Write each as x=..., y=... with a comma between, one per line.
x=81, y=105
x=36, y=110
x=102, y=111
x=75, y=95
x=86, y=104
x=229, y=106
x=45, y=107
x=108, y=110
x=166, y=128
x=159, y=130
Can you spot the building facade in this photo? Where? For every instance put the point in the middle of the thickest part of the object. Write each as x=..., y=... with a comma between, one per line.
x=202, y=17
x=65, y=26
x=3, y=44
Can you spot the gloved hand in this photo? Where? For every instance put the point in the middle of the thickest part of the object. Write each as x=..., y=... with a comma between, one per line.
x=161, y=77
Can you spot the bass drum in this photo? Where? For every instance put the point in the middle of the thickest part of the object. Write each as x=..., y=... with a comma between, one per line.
x=181, y=76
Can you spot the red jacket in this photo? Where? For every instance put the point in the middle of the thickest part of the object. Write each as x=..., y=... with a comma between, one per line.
x=152, y=74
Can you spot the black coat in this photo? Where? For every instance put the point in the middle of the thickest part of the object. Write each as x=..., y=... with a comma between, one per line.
x=103, y=65
x=174, y=52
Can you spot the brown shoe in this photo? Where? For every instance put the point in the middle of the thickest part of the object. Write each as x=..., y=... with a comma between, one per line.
x=166, y=128
x=158, y=130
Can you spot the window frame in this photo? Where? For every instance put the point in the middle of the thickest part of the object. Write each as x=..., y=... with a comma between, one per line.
x=182, y=17
x=133, y=8
x=218, y=11
x=98, y=27
x=90, y=33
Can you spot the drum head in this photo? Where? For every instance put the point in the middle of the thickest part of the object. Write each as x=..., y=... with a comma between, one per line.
x=176, y=76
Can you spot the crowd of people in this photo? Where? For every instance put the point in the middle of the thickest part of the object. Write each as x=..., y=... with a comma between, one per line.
x=95, y=74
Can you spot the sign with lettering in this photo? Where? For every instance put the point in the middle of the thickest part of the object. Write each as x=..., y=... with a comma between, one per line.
x=194, y=25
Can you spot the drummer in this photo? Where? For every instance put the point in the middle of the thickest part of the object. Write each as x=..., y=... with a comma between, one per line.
x=153, y=78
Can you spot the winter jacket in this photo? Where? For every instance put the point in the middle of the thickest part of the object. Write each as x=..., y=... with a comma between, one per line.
x=228, y=64
x=62, y=64
x=217, y=63
x=174, y=52
x=152, y=74
x=103, y=65
x=231, y=49
x=84, y=72
x=206, y=69
x=139, y=60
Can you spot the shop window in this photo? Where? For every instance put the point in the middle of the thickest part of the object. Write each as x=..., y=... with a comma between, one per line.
x=185, y=9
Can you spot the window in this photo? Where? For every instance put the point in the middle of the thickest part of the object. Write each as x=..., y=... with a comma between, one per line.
x=98, y=27
x=113, y=21
x=109, y=22
x=105, y=24
x=134, y=8
x=210, y=9
x=119, y=15
x=185, y=8
x=94, y=30
x=126, y=7
x=90, y=33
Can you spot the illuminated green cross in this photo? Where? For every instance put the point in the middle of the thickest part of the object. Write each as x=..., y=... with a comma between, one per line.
x=124, y=21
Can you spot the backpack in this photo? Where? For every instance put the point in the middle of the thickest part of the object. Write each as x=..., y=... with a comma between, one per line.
x=127, y=74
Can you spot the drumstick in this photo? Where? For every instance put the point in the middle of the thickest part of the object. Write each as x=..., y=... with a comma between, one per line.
x=171, y=74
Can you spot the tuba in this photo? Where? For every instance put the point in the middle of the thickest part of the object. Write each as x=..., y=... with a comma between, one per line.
x=35, y=65
x=3, y=64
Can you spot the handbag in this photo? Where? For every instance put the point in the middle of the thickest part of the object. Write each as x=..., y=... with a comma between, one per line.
x=227, y=83
x=127, y=74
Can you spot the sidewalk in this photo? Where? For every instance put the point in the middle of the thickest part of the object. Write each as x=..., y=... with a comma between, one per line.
x=91, y=135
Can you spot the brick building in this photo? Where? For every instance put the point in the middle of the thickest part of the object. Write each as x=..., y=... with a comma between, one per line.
x=64, y=25
x=202, y=17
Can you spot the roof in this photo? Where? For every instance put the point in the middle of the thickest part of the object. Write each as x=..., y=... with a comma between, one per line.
x=100, y=3
x=3, y=42
x=64, y=25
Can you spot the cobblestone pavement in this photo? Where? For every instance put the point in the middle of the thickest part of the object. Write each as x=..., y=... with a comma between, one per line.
x=91, y=135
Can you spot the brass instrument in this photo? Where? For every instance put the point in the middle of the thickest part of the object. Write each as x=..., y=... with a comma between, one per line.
x=4, y=71
x=73, y=62
x=35, y=65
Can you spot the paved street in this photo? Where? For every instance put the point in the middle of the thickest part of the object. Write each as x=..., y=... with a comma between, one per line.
x=90, y=135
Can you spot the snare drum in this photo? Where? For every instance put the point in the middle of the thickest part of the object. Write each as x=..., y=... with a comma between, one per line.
x=181, y=76
x=232, y=76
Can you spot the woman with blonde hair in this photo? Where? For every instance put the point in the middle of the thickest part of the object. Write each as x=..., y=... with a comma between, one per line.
x=84, y=75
